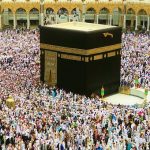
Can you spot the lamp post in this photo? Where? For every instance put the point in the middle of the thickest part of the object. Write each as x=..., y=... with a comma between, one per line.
x=41, y=12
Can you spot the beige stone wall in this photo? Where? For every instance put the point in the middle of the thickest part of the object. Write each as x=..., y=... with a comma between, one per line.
x=13, y=6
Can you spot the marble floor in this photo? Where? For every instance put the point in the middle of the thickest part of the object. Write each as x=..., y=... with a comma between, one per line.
x=124, y=99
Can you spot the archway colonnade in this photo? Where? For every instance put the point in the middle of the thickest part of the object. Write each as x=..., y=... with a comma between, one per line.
x=36, y=13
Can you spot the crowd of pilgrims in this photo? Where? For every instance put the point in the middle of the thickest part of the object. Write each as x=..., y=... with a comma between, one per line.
x=48, y=118
x=135, y=59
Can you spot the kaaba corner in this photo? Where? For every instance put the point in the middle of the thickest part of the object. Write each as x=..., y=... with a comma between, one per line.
x=81, y=57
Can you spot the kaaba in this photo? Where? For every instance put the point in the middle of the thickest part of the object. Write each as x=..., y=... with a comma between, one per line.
x=81, y=57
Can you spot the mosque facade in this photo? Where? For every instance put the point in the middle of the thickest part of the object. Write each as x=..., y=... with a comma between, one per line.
x=30, y=13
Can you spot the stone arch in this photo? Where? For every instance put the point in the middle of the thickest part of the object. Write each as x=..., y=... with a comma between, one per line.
x=21, y=17
x=90, y=15
x=50, y=17
x=49, y=10
x=7, y=16
x=75, y=14
x=21, y=10
x=116, y=16
x=130, y=19
x=104, y=10
x=34, y=16
x=8, y=8
x=131, y=11
x=62, y=15
x=75, y=10
x=62, y=10
x=104, y=15
x=142, y=12
x=142, y=18
x=90, y=10
x=51, y=6
x=34, y=9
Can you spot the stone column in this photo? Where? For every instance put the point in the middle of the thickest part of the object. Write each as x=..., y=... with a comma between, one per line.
x=148, y=23
x=14, y=20
x=79, y=14
x=83, y=11
x=56, y=18
x=110, y=21
x=136, y=22
x=5, y=17
x=124, y=21
x=79, y=18
x=143, y=26
x=42, y=13
x=69, y=16
x=41, y=19
x=0, y=21
x=132, y=21
x=120, y=20
x=28, y=20
x=83, y=17
x=97, y=18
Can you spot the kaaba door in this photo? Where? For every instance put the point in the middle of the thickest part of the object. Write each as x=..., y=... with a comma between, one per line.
x=50, y=68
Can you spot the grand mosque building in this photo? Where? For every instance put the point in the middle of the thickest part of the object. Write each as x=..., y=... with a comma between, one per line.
x=133, y=14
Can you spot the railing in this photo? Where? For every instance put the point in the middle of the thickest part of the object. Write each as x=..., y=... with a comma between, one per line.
x=101, y=16
x=22, y=16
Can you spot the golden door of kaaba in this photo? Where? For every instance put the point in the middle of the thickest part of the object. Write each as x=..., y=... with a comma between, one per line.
x=50, y=67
